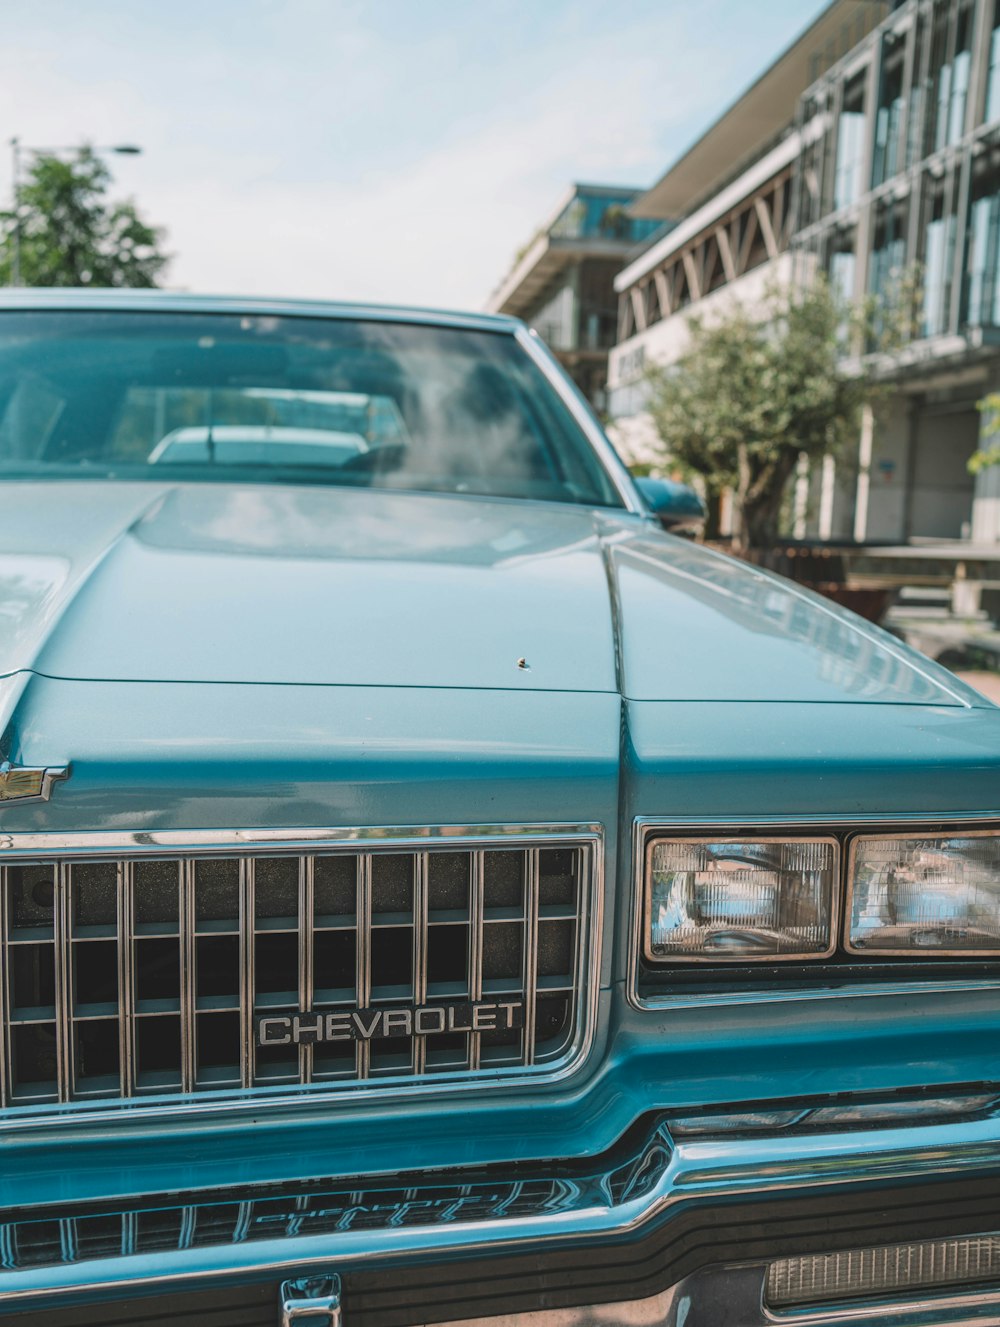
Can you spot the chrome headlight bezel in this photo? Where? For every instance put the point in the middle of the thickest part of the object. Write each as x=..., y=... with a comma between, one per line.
x=665, y=834
x=648, y=984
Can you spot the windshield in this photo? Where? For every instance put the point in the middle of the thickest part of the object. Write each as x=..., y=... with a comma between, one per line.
x=259, y=398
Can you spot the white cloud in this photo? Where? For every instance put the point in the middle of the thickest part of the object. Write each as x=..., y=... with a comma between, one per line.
x=362, y=167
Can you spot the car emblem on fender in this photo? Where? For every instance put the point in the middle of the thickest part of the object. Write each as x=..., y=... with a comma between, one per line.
x=21, y=783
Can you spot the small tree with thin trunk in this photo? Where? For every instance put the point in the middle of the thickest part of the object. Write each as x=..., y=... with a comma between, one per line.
x=754, y=393
x=71, y=234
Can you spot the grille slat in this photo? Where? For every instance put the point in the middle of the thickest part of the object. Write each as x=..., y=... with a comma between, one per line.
x=363, y=974
x=63, y=984
x=307, y=894
x=246, y=962
x=187, y=969
x=477, y=887
x=530, y=979
x=126, y=979
x=145, y=976
x=418, y=1046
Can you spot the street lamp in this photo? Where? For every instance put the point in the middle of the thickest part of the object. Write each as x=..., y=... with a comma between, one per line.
x=16, y=149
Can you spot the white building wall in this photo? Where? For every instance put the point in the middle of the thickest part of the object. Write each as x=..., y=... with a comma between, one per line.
x=666, y=342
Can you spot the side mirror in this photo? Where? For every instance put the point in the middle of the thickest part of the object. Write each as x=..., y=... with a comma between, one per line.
x=677, y=507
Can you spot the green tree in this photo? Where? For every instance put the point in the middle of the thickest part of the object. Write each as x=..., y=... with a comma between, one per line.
x=73, y=234
x=753, y=393
x=989, y=408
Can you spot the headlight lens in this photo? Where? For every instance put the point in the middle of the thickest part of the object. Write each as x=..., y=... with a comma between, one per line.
x=733, y=900
x=938, y=893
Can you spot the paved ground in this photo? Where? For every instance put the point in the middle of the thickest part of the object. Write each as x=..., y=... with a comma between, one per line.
x=987, y=683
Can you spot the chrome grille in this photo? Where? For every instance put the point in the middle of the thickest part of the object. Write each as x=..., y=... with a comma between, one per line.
x=143, y=975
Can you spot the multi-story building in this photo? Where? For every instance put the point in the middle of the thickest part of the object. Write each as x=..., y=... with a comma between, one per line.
x=870, y=150
x=906, y=177
x=562, y=281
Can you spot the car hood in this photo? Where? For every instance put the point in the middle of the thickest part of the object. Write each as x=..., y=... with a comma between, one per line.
x=266, y=584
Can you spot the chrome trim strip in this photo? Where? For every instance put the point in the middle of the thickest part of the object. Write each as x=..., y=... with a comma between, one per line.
x=588, y=839
x=308, y=839
x=846, y=828
x=543, y=358
x=363, y=954
x=703, y=1171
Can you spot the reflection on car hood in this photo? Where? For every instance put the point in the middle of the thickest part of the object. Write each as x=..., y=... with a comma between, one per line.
x=327, y=586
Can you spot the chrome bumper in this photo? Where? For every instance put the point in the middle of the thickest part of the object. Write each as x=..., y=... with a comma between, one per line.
x=659, y=1183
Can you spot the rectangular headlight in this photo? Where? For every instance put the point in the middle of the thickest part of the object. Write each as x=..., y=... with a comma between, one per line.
x=935, y=894
x=729, y=900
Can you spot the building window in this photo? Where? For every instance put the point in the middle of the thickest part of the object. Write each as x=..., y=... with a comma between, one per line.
x=982, y=305
x=554, y=321
x=950, y=77
x=993, y=76
x=939, y=261
x=887, y=261
x=888, y=120
x=843, y=266
x=850, y=146
x=841, y=271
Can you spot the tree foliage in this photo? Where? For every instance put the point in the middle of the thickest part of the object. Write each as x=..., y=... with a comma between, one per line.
x=989, y=408
x=752, y=394
x=73, y=234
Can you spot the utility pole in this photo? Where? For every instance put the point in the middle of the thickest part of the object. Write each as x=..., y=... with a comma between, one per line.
x=15, y=162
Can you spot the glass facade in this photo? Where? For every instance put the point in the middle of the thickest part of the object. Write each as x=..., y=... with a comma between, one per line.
x=850, y=147
x=982, y=286
x=601, y=215
x=889, y=122
x=951, y=62
x=888, y=256
x=992, y=109
x=919, y=165
x=939, y=261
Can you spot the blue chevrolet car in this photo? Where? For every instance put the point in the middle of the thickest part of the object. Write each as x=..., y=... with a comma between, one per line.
x=432, y=893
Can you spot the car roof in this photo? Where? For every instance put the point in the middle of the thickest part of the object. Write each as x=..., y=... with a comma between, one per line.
x=98, y=300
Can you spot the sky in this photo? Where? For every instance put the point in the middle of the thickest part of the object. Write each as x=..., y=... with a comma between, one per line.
x=391, y=150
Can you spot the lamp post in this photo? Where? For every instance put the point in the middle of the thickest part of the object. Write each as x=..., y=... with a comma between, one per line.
x=16, y=150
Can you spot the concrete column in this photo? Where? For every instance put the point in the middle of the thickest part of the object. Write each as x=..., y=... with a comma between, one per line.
x=986, y=494
x=864, y=474
x=800, y=507
x=827, y=493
